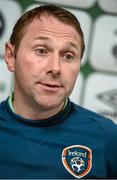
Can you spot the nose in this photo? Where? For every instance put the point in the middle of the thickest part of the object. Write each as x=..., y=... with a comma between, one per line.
x=54, y=64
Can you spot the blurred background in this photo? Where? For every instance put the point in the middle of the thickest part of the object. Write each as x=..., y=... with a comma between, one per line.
x=96, y=86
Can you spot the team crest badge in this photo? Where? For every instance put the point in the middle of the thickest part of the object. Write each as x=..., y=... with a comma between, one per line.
x=77, y=160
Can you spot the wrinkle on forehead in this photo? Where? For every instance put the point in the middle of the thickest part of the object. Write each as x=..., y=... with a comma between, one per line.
x=51, y=25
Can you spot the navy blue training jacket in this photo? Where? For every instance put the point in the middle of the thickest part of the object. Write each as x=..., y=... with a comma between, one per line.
x=75, y=143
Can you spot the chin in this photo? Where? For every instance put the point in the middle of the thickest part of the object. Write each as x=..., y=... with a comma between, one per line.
x=49, y=105
x=51, y=102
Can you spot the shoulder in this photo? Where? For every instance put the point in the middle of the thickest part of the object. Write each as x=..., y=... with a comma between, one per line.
x=88, y=116
x=3, y=108
x=2, y=105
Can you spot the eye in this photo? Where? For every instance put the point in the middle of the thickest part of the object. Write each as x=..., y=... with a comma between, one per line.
x=68, y=56
x=41, y=51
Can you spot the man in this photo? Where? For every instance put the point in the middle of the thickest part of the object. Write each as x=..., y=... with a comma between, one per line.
x=42, y=134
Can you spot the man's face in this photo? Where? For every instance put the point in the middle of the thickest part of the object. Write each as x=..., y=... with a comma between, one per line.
x=47, y=63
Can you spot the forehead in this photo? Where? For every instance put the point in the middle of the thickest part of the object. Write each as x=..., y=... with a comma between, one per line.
x=52, y=26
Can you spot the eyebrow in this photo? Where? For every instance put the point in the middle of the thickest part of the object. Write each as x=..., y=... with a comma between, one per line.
x=69, y=43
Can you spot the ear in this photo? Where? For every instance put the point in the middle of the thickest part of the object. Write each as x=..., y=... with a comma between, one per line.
x=10, y=56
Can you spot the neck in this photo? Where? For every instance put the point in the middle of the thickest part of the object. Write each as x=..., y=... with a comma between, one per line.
x=30, y=113
x=37, y=112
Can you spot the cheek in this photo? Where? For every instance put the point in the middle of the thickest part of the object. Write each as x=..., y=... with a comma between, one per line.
x=25, y=61
x=73, y=73
x=23, y=69
x=71, y=77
